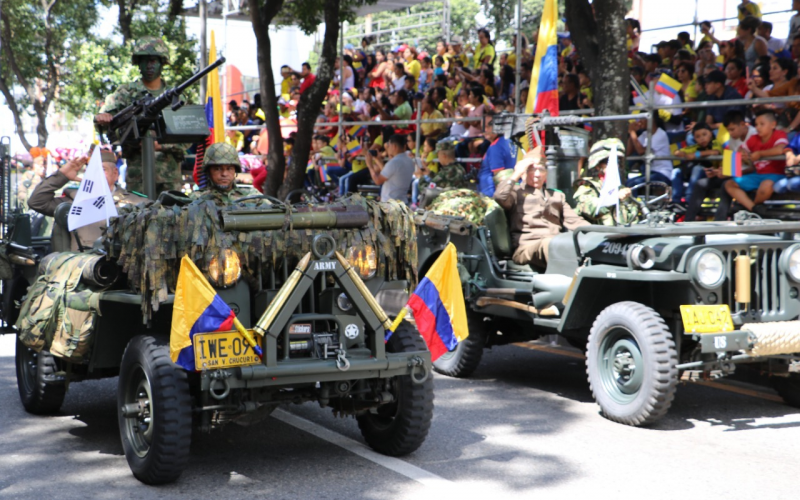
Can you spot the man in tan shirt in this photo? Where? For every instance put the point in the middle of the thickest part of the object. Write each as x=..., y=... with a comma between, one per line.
x=535, y=214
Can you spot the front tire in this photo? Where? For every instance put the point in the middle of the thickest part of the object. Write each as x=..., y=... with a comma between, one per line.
x=462, y=361
x=631, y=364
x=154, y=411
x=788, y=388
x=400, y=427
x=38, y=396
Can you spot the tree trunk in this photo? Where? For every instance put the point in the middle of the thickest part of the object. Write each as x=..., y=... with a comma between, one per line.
x=261, y=15
x=598, y=30
x=311, y=101
x=175, y=9
x=125, y=19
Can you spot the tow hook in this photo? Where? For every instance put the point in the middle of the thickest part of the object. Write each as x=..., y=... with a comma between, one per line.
x=417, y=362
x=342, y=363
x=219, y=377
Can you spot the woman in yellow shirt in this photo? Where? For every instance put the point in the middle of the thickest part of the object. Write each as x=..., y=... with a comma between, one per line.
x=412, y=65
x=429, y=112
x=485, y=51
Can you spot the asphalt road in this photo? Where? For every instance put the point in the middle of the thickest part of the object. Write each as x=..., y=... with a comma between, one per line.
x=524, y=427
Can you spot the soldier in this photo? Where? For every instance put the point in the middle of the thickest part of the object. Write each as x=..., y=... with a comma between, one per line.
x=588, y=194
x=29, y=180
x=536, y=214
x=150, y=55
x=451, y=175
x=220, y=165
x=44, y=200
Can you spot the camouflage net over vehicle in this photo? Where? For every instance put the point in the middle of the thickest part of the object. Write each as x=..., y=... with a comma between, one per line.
x=148, y=242
x=464, y=202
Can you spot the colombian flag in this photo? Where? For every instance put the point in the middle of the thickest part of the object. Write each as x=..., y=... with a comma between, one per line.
x=731, y=163
x=668, y=86
x=356, y=131
x=438, y=305
x=214, y=117
x=353, y=147
x=544, y=78
x=197, y=309
x=723, y=136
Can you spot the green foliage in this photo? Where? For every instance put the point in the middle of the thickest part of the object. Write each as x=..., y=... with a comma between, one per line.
x=462, y=22
x=100, y=65
x=309, y=14
x=502, y=20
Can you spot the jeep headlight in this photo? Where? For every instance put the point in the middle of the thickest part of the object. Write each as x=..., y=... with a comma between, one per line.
x=790, y=262
x=708, y=268
x=364, y=260
x=226, y=273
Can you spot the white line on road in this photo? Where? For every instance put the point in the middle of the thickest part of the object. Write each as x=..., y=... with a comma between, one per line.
x=393, y=464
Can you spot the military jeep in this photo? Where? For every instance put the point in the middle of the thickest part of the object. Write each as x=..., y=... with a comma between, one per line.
x=650, y=304
x=326, y=274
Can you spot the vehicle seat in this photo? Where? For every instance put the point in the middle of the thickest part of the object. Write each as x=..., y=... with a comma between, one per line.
x=60, y=239
x=500, y=238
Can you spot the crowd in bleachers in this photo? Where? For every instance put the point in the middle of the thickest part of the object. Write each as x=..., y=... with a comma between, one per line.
x=464, y=86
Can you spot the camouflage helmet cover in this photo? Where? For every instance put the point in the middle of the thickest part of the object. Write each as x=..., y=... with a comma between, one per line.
x=150, y=46
x=601, y=150
x=221, y=153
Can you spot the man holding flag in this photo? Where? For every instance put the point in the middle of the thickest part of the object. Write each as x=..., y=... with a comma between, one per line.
x=98, y=187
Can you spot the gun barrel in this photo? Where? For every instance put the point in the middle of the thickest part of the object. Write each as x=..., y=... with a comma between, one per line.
x=200, y=74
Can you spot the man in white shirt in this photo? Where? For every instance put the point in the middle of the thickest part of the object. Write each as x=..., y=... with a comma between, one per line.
x=660, y=170
x=395, y=177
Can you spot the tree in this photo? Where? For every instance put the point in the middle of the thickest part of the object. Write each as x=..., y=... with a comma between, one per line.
x=307, y=15
x=37, y=37
x=598, y=30
x=502, y=16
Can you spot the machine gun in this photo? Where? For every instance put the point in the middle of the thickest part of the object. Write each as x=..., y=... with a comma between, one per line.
x=163, y=114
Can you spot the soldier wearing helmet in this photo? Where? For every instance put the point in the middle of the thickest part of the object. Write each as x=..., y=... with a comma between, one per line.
x=588, y=192
x=220, y=166
x=150, y=54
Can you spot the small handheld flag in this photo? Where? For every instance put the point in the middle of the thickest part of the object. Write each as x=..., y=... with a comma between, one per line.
x=438, y=305
x=668, y=86
x=731, y=163
x=354, y=147
x=356, y=131
x=198, y=309
x=609, y=193
x=93, y=201
x=723, y=136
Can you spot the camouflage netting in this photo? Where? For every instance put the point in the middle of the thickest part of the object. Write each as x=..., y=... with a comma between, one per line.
x=464, y=202
x=149, y=241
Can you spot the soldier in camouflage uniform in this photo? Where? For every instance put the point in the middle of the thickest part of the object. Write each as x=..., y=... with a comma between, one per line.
x=220, y=165
x=451, y=175
x=588, y=193
x=150, y=55
x=29, y=180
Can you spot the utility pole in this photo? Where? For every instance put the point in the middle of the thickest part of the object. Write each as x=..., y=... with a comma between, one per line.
x=203, y=11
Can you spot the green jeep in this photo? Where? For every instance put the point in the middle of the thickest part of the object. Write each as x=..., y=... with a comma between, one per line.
x=651, y=304
x=107, y=314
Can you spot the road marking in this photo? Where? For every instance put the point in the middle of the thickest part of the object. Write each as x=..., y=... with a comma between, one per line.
x=707, y=383
x=394, y=464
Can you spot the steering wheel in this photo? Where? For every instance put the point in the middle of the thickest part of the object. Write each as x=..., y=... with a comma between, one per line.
x=303, y=193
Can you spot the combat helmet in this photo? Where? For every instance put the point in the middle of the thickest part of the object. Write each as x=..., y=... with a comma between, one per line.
x=150, y=46
x=221, y=153
x=601, y=150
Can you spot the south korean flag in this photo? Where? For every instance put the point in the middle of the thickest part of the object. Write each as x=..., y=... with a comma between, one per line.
x=93, y=202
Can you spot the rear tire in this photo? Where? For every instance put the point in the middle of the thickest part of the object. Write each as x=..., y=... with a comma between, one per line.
x=631, y=364
x=37, y=396
x=156, y=439
x=400, y=427
x=788, y=388
x=462, y=361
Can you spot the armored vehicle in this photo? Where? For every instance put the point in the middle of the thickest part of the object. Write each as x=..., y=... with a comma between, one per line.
x=651, y=304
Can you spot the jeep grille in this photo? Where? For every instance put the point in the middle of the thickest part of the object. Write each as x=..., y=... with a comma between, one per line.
x=765, y=280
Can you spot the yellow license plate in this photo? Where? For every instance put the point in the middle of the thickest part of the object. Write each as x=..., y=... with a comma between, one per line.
x=707, y=319
x=223, y=350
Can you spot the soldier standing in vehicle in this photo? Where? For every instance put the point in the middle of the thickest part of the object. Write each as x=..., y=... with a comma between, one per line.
x=44, y=199
x=151, y=55
x=588, y=194
x=536, y=214
x=220, y=166
x=29, y=180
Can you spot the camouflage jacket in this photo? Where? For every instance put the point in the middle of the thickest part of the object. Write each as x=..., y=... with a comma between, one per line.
x=25, y=186
x=587, y=196
x=450, y=177
x=220, y=198
x=44, y=200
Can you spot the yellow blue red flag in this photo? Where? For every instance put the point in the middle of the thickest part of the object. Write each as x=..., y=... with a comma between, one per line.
x=543, y=92
x=668, y=86
x=197, y=309
x=731, y=163
x=214, y=117
x=438, y=305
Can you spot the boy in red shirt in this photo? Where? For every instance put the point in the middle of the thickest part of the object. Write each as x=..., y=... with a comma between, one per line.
x=763, y=175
